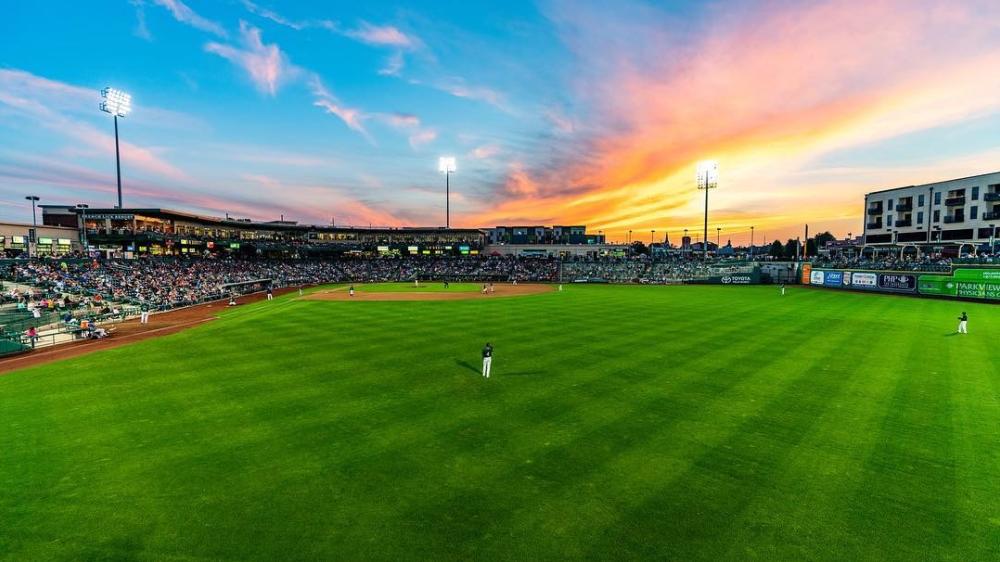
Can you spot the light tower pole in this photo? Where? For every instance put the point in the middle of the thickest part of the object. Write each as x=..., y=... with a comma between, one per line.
x=118, y=104
x=751, y=243
x=83, y=221
x=446, y=165
x=32, y=240
x=708, y=178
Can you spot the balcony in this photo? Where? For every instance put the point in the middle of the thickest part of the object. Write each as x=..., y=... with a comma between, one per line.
x=904, y=224
x=953, y=220
x=991, y=216
x=873, y=226
x=955, y=201
x=875, y=210
x=991, y=197
x=904, y=207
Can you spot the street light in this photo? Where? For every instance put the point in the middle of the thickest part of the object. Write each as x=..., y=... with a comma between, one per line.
x=118, y=104
x=446, y=165
x=708, y=178
x=34, y=225
x=83, y=220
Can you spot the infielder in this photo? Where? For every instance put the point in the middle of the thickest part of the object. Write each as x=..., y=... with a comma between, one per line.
x=963, y=324
x=350, y=291
x=144, y=313
x=487, y=359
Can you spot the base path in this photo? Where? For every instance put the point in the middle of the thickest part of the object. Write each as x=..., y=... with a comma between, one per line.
x=128, y=332
x=505, y=290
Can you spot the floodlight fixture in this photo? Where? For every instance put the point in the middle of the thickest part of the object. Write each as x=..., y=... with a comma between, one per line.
x=446, y=164
x=116, y=102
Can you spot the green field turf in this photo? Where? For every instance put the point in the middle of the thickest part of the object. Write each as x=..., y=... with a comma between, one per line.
x=425, y=287
x=686, y=423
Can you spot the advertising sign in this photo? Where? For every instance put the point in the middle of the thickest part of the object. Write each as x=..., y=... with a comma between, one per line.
x=737, y=280
x=833, y=278
x=816, y=277
x=965, y=283
x=864, y=280
x=897, y=282
x=806, y=270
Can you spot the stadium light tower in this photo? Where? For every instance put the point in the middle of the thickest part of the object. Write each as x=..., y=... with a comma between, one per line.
x=83, y=219
x=118, y=104
x=708, y=178
x=34, y=225
x=446, y=165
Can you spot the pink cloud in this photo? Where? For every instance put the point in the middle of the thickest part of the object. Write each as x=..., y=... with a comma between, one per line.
x=186, y=15
x=485, y=151
x=381, y=35
x=422, y=137
x=266, y=65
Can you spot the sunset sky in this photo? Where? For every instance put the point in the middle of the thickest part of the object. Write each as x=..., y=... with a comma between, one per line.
x=558, y=112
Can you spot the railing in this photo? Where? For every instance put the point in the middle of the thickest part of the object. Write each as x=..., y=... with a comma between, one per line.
x=903, y=224
x=877, y=210
x=952, y=220
x=995, y=196
x=955, y=201
x=991, y=216
x=873, y=225
x=904, y=207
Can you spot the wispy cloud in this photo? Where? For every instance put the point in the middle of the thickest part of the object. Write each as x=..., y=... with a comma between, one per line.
x=141, y=29
x=266, y=65
x=186, y=15
x=275, y=17
x=381, y=36
x=422, y=137
x=352, y=117
x=393, y=65
x=485, y=152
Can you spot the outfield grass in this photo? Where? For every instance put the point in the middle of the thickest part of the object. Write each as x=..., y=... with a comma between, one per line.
x=689, y=423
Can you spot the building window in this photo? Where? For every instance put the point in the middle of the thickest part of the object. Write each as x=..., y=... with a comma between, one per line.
x=975, y=194
x=888, y=218
x=937, y=216
x=890, y=204
x=920, y=200
x=974, y=211
x=937, y=199
x=920, y=217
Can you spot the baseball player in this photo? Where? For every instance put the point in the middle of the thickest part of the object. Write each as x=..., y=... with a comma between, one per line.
x=487, y=359
x=782, y=289
x=963, y=323
x=144, y=313
x=270, y=294
x=351, y=291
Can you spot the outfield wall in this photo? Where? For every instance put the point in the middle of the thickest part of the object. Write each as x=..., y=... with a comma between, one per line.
x=962, y=282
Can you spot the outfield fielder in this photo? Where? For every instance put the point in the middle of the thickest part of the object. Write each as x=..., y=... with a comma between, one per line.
x=963, y=324
x=487, y=359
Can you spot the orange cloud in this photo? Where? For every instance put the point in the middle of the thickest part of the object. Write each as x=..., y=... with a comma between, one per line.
x=767, y=94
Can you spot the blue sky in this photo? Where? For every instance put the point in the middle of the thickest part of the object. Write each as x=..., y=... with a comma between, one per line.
x=558, y=112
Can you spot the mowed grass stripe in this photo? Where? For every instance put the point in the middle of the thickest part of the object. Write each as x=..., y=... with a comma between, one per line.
x=306, y=429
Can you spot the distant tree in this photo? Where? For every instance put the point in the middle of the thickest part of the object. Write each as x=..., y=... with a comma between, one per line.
x=817, y=242
x=777, y=250
x=639, y=248
x=791, y=249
